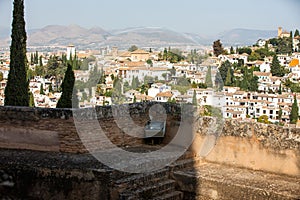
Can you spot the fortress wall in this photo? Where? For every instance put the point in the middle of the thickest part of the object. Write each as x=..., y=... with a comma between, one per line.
x=250, y=145
x=46, y=129
x=239, y=143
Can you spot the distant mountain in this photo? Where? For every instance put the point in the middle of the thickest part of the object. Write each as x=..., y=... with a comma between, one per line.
x=65, y=35
x=149, y=36
x=244, y=36
x=57, y=35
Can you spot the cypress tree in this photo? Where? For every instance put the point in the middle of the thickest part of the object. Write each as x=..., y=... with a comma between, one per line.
x=228, y=80
x=42, y=89
x=67, y=97
x=231, y=50
x=295, y=112
x=31, y=100
x=276, y=68
x=41, y=61
x=36, y=58
x=296, y=33
x=16, y=91
x=208, y=80
x=280, y=89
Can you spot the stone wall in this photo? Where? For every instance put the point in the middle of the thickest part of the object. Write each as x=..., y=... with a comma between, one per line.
x=239, y=143
x=251, y=145
x=54, y=129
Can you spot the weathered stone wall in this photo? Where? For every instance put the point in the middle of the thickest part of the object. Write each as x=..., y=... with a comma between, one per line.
x=251, y=145
x=54, y=129
x=239, y=143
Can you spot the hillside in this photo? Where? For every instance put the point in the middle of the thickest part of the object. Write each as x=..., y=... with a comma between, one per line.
x=58, y=35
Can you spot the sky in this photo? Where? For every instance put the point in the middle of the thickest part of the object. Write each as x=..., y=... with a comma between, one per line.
x=193, y=16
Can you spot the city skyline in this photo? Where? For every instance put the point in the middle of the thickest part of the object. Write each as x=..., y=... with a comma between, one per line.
x=201, y=17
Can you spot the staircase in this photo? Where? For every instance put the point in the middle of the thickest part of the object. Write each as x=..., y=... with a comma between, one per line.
x=155, y=185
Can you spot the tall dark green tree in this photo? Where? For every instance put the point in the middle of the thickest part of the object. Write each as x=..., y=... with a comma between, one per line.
x=36, y=57
x=294, y=116
x=41, y=61
x=296, y=33
x=224, y=69
x=42, y=89
x=208, y=79
x=218, y=48
x=31, y=100
x=228, y=81
x=68, y=97
x=16, y=91
x=276, y=68
x=231, y=50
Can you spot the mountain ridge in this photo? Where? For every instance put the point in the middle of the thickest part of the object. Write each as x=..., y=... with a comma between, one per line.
x=142, y=36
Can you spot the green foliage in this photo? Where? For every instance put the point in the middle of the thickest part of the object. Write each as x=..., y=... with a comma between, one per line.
x=68, y=97
x=202, y=85
x=263, y=119
x=31, y=100
x=1, y=76
x=225, y=66
x=280, y=114
x=149, y=62
x=294, y=115
x=231, y=50
x=134, y=99
x=148, y=79
x=41, y=61
x=264, y=52
x=84, y=97
x=295, y=87
x=144, y=89
x=133, y=48
x=135, y=83
x=249, y=82
x=218, y=48
x=117, y=96
x=172, y=55
x=276, y=68
x=246, y=50
x=36, y=58
x=208, y=79
x=228, y=81
x=254, y=56
x=296, y=33
x=212, y=111
x=195, y=58
x=260, y=54
x=280, y=89
x=42, y=89
x=282, y=45
x=181, y=88
x=16, y=91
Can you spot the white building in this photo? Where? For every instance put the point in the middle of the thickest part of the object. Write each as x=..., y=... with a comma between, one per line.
x=71, y=51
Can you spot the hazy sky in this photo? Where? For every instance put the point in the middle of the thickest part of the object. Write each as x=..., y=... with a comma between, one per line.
x=197, y=16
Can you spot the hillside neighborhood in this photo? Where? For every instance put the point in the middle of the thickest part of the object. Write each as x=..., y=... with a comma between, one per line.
x=241, y=82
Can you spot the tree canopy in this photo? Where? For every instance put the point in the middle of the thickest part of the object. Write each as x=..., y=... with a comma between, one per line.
x=218, y=48
x=68, y=99
x=16, y=91
x=294, y=116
